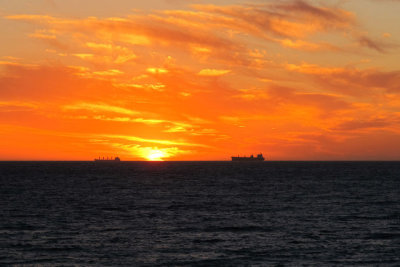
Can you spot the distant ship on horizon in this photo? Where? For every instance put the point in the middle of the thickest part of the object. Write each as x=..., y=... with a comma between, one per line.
x=116, y=159
x=259, y=157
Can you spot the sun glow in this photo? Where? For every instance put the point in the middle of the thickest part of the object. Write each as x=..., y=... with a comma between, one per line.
x=155, y=155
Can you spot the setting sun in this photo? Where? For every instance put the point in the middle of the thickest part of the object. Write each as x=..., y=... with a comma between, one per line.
x=155, y=155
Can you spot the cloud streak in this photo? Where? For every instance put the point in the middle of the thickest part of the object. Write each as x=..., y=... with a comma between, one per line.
x=153, y=141
x=101, y=107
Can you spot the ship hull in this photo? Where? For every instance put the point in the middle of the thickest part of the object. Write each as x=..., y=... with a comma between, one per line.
x=247, y=159
x=117, y=159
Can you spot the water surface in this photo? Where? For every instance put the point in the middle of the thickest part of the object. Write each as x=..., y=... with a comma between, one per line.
x=200, y=213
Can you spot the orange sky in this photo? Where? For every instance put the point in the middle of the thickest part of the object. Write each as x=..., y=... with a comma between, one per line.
x=199, y=80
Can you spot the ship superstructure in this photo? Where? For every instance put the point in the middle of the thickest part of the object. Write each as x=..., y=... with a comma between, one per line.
x=104, y=159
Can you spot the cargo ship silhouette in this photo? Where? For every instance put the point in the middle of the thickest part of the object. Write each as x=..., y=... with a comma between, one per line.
x=251, y=158
x=116, y=159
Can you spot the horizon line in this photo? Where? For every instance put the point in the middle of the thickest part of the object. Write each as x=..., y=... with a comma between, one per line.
x=283, y=160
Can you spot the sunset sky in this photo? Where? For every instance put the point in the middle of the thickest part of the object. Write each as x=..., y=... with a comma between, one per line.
x=199, y=80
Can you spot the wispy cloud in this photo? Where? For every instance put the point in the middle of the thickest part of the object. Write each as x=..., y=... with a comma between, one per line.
x=213, y=72
x=351, y=80
x=100, y=107
x=365, y=124
x=10, y=106
x=207, y=29
x=153, y=141
x=381, y=46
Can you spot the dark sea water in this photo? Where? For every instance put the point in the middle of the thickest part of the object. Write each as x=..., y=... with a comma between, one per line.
x=200, y=214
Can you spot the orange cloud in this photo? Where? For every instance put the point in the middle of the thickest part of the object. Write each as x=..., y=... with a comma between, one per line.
x=301, y=18
x=153, y=141
x=40, y=83
x=352, y=80
x=370, y=123
x=11, y=106
x=157, y=70
x=213, y=72
x=94, y=107
x=377, y=45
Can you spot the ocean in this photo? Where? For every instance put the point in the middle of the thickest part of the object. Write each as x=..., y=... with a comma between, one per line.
x=200, y=214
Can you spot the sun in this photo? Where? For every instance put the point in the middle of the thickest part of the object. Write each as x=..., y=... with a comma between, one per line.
x=155, y=155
